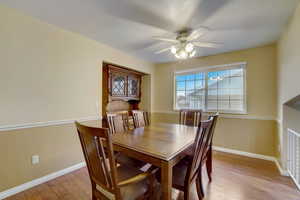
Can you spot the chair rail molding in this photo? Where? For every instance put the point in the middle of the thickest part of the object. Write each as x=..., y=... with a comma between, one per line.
x=47, y=123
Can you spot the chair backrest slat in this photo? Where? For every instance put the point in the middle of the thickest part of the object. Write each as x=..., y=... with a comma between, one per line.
x=118, y=121
x=101, y=151
x=140, y=118
x=101, y=164
x=190, y=117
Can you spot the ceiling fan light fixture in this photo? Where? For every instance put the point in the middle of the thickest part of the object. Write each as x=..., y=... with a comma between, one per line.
x=186, y=43
x=184, y=51
x=182, y=54
x=173, y=50
x=189, y=47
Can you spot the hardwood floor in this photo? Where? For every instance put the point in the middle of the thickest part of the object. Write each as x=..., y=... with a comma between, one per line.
x=234, y=178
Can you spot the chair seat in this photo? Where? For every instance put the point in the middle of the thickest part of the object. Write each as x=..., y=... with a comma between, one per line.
x=128, y=161
x=130, y=191
x=179, y=173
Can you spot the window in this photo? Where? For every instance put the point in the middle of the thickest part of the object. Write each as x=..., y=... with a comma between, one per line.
x=218, y=88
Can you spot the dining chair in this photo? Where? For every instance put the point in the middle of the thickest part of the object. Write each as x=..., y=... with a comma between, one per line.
x=118, y=122
x=190, y=117
x=189, y=170
x=140, y=118
x=109, y=181
x=208, y=154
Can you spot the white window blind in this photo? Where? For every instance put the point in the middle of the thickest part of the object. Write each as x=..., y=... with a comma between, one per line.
x=220, y=88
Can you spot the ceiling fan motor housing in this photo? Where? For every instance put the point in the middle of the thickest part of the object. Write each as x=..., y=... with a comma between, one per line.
x=183, y=35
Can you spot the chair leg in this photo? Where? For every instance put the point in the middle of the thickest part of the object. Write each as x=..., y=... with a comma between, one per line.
x=209, y=164
x=93, y=191
x=94, y=197
x=150, y=192
x=187, y=193
x=152, y=183
x=199, y=185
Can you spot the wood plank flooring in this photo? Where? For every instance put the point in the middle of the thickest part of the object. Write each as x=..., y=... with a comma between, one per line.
x=234, y=178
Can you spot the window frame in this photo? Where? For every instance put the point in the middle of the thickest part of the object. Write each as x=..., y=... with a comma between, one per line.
x=238, y=65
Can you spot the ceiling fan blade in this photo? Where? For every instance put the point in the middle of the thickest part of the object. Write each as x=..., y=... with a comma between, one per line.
x=181, y=12
x=196, y=34
x=205, y=10
x=163, y=50
x=207, y=44
x=166, y=39
x=144, y=12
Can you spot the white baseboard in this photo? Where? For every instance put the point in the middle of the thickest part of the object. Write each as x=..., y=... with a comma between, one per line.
x=38, y=181
x=282, y=171
x=243, y=153
x=253, y=155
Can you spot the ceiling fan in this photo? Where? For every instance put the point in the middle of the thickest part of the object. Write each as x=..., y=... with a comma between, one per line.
x=163, y=15
x=183, y=46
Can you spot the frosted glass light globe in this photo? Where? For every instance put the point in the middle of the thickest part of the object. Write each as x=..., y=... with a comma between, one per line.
x=189, y=47
x=183, y=54
x=173, y=50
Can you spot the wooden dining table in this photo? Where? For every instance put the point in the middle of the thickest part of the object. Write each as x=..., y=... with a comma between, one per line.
x=160, y=144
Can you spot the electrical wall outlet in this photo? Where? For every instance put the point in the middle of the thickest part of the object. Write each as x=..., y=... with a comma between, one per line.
x=35, y=159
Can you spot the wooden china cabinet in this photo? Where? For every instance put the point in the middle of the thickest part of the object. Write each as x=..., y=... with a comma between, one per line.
x=121, y=86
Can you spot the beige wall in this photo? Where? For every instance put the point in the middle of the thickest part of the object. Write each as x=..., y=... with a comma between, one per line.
x=256, y=134
x=48, y=74
x=288, y=76
x=146, y=93
x=291, y=118
x=57, y=146
x=289, y=61
x=261, y=77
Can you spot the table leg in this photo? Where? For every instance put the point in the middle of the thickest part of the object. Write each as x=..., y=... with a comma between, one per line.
x=166, y=180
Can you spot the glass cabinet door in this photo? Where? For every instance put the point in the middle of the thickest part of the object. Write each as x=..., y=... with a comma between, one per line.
x=133, y=86
x=118, y=84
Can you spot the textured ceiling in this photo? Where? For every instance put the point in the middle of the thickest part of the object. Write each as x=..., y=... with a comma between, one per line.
x=129, y=25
